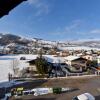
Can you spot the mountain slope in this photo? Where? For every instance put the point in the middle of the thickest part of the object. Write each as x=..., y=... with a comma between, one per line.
x=5, y=39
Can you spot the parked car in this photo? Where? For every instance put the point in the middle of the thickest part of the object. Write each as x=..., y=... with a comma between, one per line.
x=85, y=96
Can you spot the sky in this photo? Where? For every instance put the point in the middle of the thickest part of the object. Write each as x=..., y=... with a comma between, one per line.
x=56, y=20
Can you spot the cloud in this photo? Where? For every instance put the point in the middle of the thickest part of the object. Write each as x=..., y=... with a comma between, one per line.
x=92, y=32
x=95, y=31
x=68, y=30
x=41, y=6
x=75, y=30
x=75, y=24
x=33, y=1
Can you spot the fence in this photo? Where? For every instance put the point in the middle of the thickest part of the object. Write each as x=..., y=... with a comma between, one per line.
x=78, y=74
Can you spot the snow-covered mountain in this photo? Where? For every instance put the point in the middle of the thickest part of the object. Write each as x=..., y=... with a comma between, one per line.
x=6, y=39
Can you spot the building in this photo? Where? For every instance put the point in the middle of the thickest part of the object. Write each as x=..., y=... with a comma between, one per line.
x=91, y=57
x=98, y=60
x=64, y=53
x=76, y=63
x=69, y=59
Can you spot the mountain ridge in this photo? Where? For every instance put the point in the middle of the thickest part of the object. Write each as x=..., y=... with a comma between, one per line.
x=6, y=39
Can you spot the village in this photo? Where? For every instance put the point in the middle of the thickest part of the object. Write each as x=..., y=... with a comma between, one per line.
x=49, y=50
x=62, y=63
x=49, y=63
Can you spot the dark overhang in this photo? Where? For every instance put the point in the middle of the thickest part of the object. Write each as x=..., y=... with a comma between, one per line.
x=7, y=5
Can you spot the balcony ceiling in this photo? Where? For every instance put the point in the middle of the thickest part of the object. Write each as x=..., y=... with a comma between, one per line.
x=7, y=5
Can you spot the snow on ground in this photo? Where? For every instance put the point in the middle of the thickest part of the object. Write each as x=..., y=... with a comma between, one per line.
x=78, y=48
x=5, y=68
x=7, y=63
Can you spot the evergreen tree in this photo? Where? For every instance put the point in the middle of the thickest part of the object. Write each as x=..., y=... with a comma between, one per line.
x=42, y=66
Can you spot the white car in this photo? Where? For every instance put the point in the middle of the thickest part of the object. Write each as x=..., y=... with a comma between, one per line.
x=85, y=96
x=41, y=91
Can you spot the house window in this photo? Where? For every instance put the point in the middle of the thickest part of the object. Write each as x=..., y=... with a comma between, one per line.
x=82, y=61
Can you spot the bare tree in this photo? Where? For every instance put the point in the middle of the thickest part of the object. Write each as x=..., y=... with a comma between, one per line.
x=14, y=66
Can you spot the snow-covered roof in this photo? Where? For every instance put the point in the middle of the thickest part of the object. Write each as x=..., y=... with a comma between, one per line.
x=8, y=57
x=11, y=44
x=27, y=56
x=53, y=59
x=70, y=58
x=78, y=48
x=80, y=54
x=49, y=58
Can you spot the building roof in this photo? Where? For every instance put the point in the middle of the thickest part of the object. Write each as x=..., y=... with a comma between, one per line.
x=28, y=57
x=53, y=59
x=7, y=5
x=70, y=58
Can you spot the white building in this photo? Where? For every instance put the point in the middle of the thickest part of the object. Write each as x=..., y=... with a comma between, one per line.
x=98, y=60
x=90, y=57
x=69, y=59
